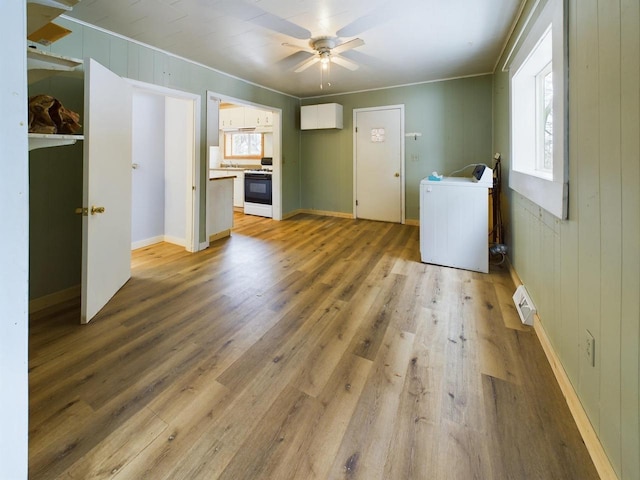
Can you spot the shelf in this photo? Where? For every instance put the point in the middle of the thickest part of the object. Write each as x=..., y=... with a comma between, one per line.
x=41, y=12
x=41, y=64
x=43, y=140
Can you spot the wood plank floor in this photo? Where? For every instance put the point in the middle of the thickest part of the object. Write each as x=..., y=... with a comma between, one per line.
x=312, y=348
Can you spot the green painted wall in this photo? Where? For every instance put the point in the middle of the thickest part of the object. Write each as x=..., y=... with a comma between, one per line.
x=454, y=117
x=584, y=273
x=56, y=173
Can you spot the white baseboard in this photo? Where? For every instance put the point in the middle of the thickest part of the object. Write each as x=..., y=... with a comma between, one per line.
x=175, y=240
x=290, y=214
x=146, y=242
x=324, y=213
x=589, y=436
x=54, y=298
x=157, y=239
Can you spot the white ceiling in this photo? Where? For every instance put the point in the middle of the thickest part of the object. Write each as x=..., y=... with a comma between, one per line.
x=406, y=41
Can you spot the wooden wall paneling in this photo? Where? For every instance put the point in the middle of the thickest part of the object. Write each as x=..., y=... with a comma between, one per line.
x=569, y=350
x=133, y=61
x=159, y=68
x=630, y=190
x=178, y=72
x=96, y=44
x=569, y=235
x=610, y=227
x=585, y=94
x=549, y=284
x=145, y=64
x=119, y=56
x=70, y=45
x=545, y=273
x=452, y=120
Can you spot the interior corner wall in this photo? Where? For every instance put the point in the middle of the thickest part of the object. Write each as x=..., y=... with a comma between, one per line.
x=584, y=273
x=453, y=116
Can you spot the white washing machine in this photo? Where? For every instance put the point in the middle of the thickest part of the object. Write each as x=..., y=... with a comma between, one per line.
x=454, y=220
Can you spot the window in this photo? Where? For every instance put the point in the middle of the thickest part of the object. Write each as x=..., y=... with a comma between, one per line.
x=243, y=145
x=544, y=120
x=538, y=112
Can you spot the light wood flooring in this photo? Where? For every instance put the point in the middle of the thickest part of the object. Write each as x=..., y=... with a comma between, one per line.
x=312, y=348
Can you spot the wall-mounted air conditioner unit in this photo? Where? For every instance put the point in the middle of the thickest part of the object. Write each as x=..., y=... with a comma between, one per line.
x=525, y=307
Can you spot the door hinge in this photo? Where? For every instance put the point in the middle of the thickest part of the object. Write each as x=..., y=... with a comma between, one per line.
x=356, y=203
x=356, y=129
x=193, y=187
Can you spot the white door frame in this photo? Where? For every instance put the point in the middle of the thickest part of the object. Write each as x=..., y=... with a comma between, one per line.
x=402, y=160
x=277, y=145
x=192, y=188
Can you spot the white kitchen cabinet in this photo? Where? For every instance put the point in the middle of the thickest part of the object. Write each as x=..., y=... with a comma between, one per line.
x=266, y=118
x=251, y=117
x=322, y=116
x=232, y=118
x=238, y=183
x=245, y=117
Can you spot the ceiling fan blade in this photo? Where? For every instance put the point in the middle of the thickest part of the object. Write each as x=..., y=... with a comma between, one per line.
x=281, y=25
x=367, y=22
x=299, y=47
x=250, y=13
x=306, y=64
x=343, y=47
x=343, y=62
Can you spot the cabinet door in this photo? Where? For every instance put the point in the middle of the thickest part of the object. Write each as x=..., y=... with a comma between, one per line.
x=309, y=117
x=329, y=115
x=252, y=117
x=231, y=117
x=106, y=233
x=265, y=118
x=236, y=117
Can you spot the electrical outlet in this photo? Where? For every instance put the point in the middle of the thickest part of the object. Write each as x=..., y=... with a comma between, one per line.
x=590, y=348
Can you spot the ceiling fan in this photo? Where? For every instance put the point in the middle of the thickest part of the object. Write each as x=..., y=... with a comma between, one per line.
x=327, y=50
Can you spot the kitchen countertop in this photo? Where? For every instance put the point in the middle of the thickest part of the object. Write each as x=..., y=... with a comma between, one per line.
x=230, y=177
x=232, y=168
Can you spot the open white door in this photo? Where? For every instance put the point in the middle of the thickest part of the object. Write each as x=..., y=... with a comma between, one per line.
x=106, y=234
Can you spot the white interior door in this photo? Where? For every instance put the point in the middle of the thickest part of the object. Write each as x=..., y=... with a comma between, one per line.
x=379, y=173
x=106, y=236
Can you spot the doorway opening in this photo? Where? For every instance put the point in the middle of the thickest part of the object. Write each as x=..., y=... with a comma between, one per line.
x=165, y=167
x=220, y=126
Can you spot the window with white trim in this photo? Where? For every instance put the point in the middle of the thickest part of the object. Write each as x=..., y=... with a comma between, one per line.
x=538, y=112
x=243, y=145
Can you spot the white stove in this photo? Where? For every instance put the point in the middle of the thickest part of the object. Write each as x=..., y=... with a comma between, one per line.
x=257, y=190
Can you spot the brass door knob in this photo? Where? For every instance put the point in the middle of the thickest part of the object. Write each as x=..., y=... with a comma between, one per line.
x=95, y=210
x=397, y=174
